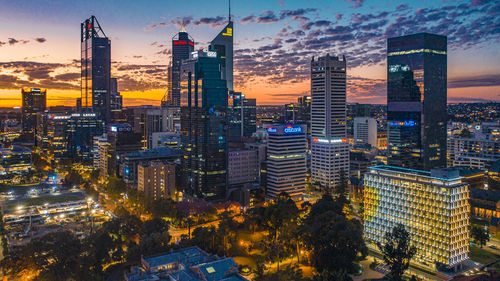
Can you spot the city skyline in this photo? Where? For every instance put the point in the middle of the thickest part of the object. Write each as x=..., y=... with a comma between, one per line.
x=274, y=41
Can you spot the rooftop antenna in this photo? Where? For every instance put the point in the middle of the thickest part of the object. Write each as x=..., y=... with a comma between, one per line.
x=229, y=10
x=183, y=27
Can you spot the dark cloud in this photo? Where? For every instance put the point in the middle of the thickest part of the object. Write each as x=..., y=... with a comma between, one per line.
x=70, y=76
x=40, y=40
x=2, y=43
x=248, y=19
x=475, y=81
x=13, y=41
x=267, y=17
x=212, y=21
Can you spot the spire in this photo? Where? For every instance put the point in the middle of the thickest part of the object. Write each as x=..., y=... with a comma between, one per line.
x=183, y=28
x=229, y=10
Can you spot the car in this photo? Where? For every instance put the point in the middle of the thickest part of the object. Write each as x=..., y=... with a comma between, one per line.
x=493, y=247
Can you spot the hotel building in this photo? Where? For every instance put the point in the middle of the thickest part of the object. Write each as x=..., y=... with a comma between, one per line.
x=433, y=206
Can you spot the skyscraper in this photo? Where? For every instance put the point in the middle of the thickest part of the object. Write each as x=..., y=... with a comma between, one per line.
x=203, y=126
x=242, y=116
x=416, y=101
x=286, y=160
x=182, y=47
x=96, y=69
x=329, y=147
x=34, y=101
x=223, y=45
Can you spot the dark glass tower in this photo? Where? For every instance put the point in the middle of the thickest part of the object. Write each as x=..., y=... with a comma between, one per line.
x=96, y=69
x=203, y=126
x=416, y=101
x=34, y=101
x=182, y=47
x=242, y=116
x=223, y=45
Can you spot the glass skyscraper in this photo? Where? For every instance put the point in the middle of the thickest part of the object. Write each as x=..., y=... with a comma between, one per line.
x=182, y=47
x=204, y=102
x=96, y=69
x=416, y=101
x=223, y=45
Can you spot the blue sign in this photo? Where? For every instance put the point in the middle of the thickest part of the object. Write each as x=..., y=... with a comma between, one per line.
x=292, y=130
x=114, y=129
x=271, y=130
x=403, y=123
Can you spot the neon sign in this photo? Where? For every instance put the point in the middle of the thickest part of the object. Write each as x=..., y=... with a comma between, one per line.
x=292, y=130
x=272, y=130
x=403, y=123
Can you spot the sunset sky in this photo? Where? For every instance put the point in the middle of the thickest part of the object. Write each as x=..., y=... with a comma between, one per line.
x=274, y=43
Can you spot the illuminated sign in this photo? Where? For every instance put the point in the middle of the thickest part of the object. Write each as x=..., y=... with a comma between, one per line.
x=180, y=42
x=292, y=130
x=229, y=32
x=338, y=140
x=409, y=52
x=397, y=67
x=271, y=130
x=114, y=129
x=403, y=123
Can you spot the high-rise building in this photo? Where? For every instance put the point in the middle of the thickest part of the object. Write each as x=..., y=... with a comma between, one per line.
x=96, y=69
x=116, y=102
x=182, y=47
x=156, y=179
x=365, y=131
x=81, y=129
x=329, y=146
x=242, y=116
x=243, y=166
x=204, y=98
x=416, y=101
x=33, y=101
x=286, y=160
x=433, y=206
x=223, y=45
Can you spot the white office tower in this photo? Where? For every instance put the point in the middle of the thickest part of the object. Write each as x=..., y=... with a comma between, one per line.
x=286, y=161
x=433, y=206
x=365, y=131
x=329, y=146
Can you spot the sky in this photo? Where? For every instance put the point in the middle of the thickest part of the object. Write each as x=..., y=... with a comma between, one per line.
x=274, y=44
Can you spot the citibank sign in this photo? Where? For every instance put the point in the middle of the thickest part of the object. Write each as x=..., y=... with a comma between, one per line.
x=292, y=130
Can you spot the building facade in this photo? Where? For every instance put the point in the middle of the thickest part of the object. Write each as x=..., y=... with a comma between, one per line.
x=286, y=164
x=329, y=146
x=33, y=101
x=365, y=131
x=433, y=207
x=96, y=69
x=156, y=179
x=243, y=166
x=223, y=45
x=204, y=126
x=416, y=101
x=182, y=47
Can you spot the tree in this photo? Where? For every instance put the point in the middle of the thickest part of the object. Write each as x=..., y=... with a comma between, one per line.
x=73, y=178
x=479, y=235
x=339, y=275
x=289, y=273
x=155, y=225
x=226, y=230
x=336, y=242
x=397, y=251
x=115, y=187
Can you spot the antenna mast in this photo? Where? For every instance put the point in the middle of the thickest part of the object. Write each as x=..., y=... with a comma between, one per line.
x=229, y=10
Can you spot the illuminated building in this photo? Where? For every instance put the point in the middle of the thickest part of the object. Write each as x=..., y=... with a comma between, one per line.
x=96, y=69
x=329, y=146
x=182, y=47
x=116, y=101
x=33, y=101
x=241, y=116
x=204, y=99
x=156, y=179
x=223, y=45
x=480, y=149
x=433, y=206
x=286, y=160
x=416, y=101
x=81, y=129
x=121, y=140
x=15, y=159
x=365, y=131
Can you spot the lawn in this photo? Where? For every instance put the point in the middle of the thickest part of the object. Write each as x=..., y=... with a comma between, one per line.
x=482, y=256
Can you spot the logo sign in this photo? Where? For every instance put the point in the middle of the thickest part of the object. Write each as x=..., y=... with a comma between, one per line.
x=292, y=130
x=114, y=129
x=403, y=123
x=271, y=130
x=229, y=32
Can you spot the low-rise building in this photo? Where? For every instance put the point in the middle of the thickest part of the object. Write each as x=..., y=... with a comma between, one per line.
x=15, y=159
x=243, y=166
x=185, y=264
x=433, y=206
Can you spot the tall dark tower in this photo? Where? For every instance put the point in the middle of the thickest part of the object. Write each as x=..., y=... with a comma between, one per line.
x=416, y=101
x=223, y=45
x=96, y=69
x=182, y=46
